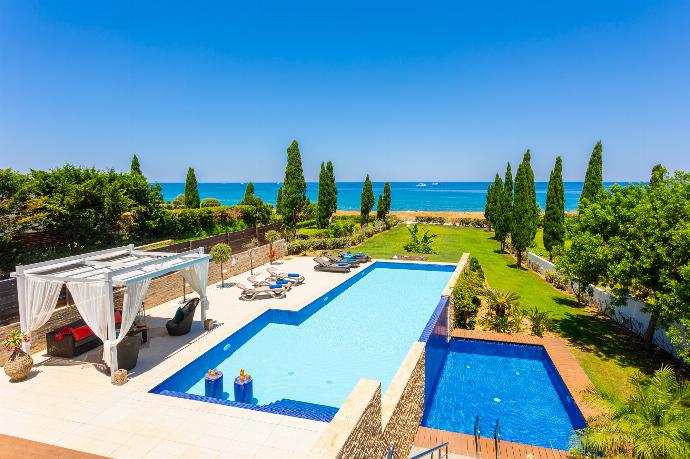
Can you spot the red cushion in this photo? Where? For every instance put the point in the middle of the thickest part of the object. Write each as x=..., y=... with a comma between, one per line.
x=60, y=335
x=82, y=332
x=118, y=317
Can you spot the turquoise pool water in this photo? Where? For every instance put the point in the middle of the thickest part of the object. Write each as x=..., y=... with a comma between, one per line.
x=362, y=329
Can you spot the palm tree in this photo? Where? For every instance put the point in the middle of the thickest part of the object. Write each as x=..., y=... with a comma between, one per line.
x=653, y=423
x=501, y=302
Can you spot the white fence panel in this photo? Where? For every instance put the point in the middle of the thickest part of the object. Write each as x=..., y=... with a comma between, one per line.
x=629, y=315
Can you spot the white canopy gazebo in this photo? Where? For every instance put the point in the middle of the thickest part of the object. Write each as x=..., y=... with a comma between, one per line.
x=90, y=279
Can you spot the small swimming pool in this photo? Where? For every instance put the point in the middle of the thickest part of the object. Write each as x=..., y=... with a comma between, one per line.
x=361, y=329
x=515, y=383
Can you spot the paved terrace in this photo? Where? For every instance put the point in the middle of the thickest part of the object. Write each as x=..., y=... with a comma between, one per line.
x=70, y=402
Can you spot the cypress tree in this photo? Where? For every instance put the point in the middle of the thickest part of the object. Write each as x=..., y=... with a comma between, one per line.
x=248, y=193
x=525, y=211
x=489, y=206
x=500, y=218
x=367, y=200
x=293, y=196
x=508, y=197
x=554, y=216
x=323, y=203
x=333, y=189
x=384, y=205
x=134, y=167
x=387, y=197
x=594, y=182
x=279, y=198
x=191, y=191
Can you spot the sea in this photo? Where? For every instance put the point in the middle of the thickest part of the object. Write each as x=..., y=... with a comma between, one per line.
x=424, y=196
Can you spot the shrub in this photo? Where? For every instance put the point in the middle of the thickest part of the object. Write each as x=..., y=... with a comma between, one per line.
x=430, y=219
x=476, y=267
x=471, y=222
x=178, y=202
x=210, y=202
x=465, y=299
x=309, y=233
x=541, y=321
x=419, y=244
x=556, y=280
x=304, y=245
x=310, y=223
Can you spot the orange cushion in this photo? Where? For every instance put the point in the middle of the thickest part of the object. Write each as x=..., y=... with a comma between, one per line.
x=118, y=317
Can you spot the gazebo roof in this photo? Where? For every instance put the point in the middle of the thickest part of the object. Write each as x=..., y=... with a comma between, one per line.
x=120, y=265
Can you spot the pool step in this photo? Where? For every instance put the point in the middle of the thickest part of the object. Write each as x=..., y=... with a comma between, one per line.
x=307, y=410
x=286, y=407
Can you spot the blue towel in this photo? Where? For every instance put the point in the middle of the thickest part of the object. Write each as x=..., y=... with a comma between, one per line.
x=343, y=264
x=293, y=275
x=281, y=281
x=275, y=286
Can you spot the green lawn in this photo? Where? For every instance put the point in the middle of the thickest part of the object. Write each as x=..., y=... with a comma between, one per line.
x=606, y=352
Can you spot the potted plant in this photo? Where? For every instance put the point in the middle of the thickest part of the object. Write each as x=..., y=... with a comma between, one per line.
x=19, y=364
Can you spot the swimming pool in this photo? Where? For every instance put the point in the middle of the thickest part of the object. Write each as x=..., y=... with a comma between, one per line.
x=361, y=329
x=515, y=383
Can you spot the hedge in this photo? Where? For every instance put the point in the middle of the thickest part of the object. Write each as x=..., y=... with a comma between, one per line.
x=466, y=295
x=305, y=245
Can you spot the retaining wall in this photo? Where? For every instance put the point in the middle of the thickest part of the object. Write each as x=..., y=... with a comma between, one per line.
x=366, y=425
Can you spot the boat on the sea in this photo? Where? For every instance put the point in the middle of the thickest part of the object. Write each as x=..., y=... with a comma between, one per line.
x=435, y=183
x=421, y=184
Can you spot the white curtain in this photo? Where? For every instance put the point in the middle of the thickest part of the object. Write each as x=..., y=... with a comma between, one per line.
x=93, y=300
x=196, y=276
x=134, y=295
x=40, y=299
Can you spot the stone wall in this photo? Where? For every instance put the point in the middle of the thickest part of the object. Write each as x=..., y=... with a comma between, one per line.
x=161, y=290
x=366, y=425
x=403, y=403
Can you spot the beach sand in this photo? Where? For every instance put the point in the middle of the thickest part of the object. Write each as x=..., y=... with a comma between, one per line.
x=410, y=215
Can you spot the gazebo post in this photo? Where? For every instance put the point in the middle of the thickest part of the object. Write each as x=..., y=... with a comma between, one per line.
x=111, y=330
x=21, y=301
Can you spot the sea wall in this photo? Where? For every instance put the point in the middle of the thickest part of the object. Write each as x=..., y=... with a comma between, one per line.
x=629, y=314
x=161, y=290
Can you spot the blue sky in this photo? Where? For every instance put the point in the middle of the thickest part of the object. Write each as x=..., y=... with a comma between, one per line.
x=444, y=91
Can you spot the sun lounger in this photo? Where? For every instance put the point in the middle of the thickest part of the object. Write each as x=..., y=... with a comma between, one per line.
x=256, y=282
x=335, y=259
x=361, y=257
x=250, y=293
x=324, y=265
x=293, y=278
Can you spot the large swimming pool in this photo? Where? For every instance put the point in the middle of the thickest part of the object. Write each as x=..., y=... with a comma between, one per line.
x=514, y=383
x=361, y=329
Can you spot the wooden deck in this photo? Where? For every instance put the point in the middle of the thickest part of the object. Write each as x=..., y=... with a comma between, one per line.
x=19, y=448
x=464, y=444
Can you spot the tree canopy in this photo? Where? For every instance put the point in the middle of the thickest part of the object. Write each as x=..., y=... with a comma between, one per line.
x=191, y=191
x=293, y=192
x=594, y=182
x=134, y=167
x=327, y=199
x=367, y=201
x=383, y=207
x=525, y=211
x=248, y=193
x=554, y=215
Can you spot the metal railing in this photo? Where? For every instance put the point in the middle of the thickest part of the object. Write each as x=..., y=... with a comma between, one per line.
x=477, y=437
x=497, y=438
x=442, y=448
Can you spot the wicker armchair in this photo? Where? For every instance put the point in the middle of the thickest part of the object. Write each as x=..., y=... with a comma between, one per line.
x=183, y=327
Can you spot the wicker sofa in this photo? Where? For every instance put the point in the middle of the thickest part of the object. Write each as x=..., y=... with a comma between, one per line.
x=73, y=339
